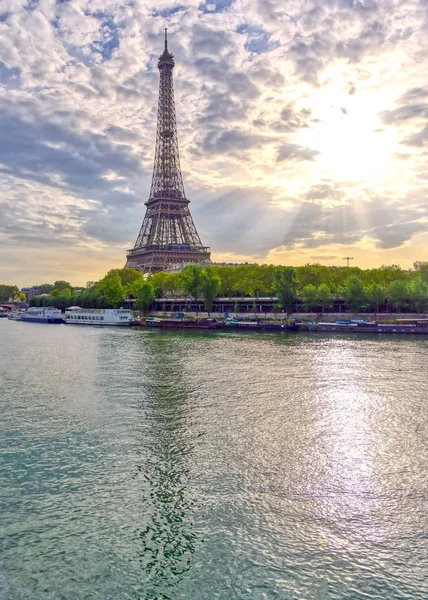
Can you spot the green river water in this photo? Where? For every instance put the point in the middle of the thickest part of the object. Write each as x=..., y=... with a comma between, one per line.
x=151, y=465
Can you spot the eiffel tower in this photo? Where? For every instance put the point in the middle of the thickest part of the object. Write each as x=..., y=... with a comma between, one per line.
x=168, y=234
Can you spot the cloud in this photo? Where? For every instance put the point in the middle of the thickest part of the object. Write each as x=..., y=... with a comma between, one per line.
x=53, y=154
x=418, y=139
x=293, y=152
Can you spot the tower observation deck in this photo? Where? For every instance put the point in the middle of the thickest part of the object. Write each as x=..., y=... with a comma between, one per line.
x=168, y=234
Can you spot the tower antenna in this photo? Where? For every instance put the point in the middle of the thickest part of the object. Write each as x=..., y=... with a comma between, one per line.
x=348, y=258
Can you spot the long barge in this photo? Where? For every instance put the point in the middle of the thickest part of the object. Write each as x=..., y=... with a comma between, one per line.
x=407, y=326
x=228, y=324
x=182, y=323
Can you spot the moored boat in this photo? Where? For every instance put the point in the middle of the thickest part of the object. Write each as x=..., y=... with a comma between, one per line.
x=47, y=314
x=102, y=316
x=243, y=323
x=258, y=325
x=409, y=326
x=3, y=312
x=175, y=323
x=14, y=316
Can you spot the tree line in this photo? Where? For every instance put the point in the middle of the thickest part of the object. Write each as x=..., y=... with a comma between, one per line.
x=315, y=286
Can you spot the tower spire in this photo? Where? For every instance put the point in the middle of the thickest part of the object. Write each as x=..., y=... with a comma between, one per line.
x=168, y=234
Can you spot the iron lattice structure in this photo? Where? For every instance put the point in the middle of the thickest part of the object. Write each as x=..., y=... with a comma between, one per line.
x=168, y=234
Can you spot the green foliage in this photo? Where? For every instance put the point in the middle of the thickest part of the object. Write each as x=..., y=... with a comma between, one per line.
x=191, y=280
x=55, y=293
x=309, y=275
x=61, y=285
x=46, y=288
x=266, y=276
x=375, y=296
x=309, y=297
x=171, y=283
x=158, y=279
x=397, y=294
x=417, y=291
x=145, y=294
x=210, y=287
x=66, y=292
x=325, y=297
x=112, y=288
x=421, y=268
x=228, y=276
x=165, y=283
x=132, y=287
x=285, y=287
x=21, y=296
x=354, y=293
x=8, y=291
x=118, y=283
x=127, y=276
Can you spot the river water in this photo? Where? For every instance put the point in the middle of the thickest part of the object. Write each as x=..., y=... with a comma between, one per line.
x=199, y=466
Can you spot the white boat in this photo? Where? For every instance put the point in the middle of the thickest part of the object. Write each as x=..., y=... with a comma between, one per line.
x=47, y=314
x=15, y=316
x=3, y=312
x=102, y=316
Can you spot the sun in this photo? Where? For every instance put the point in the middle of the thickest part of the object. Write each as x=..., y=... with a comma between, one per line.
x=350, y=139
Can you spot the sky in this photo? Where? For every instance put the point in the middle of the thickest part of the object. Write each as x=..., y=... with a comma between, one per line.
x=302, y=126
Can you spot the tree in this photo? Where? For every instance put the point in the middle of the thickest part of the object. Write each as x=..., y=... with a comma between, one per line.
x=191, y=280
x=157, y=279
x=285, y=287
x=55, y=293
x=8, y=291
x=375, y=296
x=396, y=293
x=21, y=297
x=266, y=273
x=113, y=289
x=171, y=283
x=66, y=292
x=310, y=275
x=132, y=287
x=210, y=287
x=145, y=295
x=418, y=294
x=309, y=297
x=247, y=282
x=46, y=288
x=421, y=268
x=228, y=276
x=389, y=273
x=325, y=297
x=127, y=276
x=353, y=293
x=61, y=284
